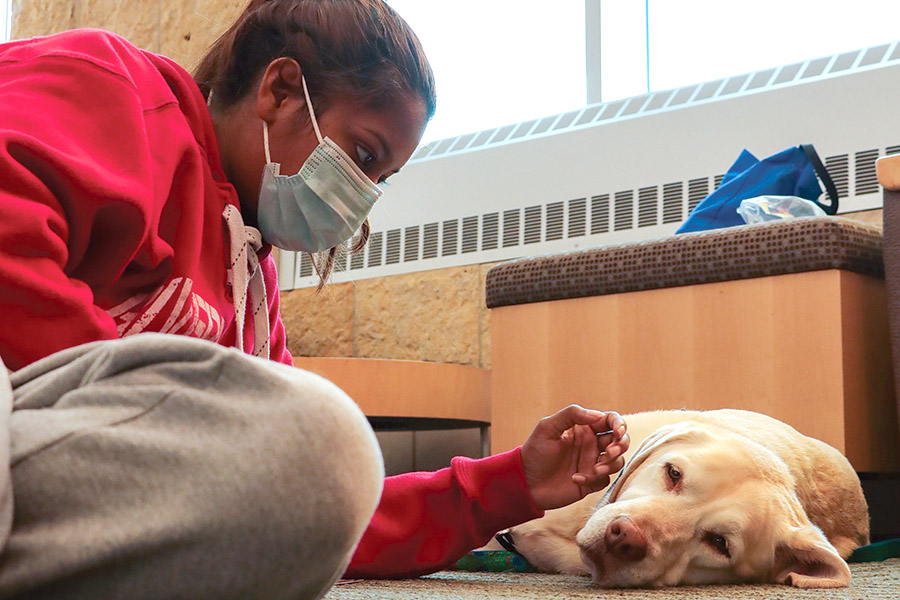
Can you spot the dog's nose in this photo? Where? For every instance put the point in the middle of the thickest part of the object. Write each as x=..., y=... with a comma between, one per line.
x=625, y=540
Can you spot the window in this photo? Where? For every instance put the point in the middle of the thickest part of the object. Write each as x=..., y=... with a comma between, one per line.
x=498, y=62
x=5, y=19
x=650, y=45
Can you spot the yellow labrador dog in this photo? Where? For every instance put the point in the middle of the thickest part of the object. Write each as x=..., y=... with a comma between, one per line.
x=723, y=496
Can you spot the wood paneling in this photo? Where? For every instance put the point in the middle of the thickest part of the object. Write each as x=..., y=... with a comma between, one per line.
x=409, y=389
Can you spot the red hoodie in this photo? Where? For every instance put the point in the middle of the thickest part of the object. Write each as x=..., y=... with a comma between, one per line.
x=111, y=223
x=111, y=201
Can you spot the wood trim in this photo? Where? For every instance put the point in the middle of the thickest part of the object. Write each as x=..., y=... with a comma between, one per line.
x=406, y=388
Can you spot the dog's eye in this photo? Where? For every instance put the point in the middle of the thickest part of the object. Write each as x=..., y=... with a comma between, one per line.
x=673, y=474
x=717, y=543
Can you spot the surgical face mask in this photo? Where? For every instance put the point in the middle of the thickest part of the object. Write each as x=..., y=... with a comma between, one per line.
x=321, y=206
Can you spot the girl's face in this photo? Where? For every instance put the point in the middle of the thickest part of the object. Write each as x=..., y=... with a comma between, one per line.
x=380, y=139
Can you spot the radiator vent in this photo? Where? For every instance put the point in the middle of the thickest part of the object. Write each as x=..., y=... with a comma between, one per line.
x=673, y=202
x=451, y=237
x=577, y=219
x=375, y=248
x=470, y=235
x=430, y=241
x=357, y=260
x=411, y=245
x=489, y=234
x=306, y=268
x=839, y=169
x=574, y=218
x=341, y=261
x=648, y=209
x=533, y=224
x=599, y=214
x=866, y=180
x=624, y=218
x=555, y=221
x=511, y=228
x=392, y=256
x=698, y=189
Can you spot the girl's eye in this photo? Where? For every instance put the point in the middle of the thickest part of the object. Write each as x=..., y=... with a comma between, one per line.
x=364, y=156
x=717, y=543
x=673, y=474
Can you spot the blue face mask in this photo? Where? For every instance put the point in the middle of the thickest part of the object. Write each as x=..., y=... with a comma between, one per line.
x=321, y=206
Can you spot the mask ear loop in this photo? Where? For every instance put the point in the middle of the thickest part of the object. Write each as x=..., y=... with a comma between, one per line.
x=266, y=141
x=312, y=115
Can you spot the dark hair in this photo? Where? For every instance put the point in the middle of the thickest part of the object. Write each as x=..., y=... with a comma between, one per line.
x=357, y=48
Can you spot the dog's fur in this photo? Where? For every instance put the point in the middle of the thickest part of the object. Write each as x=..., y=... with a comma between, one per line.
x=722, y=496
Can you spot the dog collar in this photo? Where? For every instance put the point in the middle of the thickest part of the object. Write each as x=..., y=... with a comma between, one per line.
x=504, y=538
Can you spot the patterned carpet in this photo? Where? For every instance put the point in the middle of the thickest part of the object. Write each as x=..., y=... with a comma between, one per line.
x=871, y=581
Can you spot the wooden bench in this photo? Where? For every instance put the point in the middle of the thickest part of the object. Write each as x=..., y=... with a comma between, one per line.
x=787, y=318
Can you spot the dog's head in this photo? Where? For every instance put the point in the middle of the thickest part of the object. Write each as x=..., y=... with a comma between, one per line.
x=697, y=504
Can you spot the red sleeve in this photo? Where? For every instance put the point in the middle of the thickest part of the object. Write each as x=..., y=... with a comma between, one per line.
x=69, y=143
x=427, y=521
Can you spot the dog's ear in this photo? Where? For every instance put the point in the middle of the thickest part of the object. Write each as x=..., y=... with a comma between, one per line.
x=806, y=559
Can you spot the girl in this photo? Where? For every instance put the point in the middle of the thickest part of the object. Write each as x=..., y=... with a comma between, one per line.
x=135, y=198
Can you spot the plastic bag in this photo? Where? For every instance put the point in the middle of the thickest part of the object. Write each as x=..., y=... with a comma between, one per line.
x=776, y=208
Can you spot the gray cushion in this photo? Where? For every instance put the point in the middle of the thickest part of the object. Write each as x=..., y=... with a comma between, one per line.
x=744, y=252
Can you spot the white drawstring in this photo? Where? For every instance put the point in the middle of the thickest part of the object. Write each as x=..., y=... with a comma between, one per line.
x=246, y=279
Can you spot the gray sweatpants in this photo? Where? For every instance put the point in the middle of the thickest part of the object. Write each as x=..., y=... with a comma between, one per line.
x=166, y=467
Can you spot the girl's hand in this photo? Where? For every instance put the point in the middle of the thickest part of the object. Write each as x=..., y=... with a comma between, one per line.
x=573, y=453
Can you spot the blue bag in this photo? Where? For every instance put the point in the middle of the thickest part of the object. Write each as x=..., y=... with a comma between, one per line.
x=792, y=172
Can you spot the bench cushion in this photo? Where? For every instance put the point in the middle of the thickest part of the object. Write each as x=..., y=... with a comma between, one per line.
x=744, y=252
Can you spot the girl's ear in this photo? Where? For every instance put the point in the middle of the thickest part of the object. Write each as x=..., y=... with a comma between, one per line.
x=279, y=88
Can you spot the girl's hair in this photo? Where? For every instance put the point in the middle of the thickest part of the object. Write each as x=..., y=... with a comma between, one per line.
x=361, y=49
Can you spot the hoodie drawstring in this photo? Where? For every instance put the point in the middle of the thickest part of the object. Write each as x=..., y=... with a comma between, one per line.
x=246, y=279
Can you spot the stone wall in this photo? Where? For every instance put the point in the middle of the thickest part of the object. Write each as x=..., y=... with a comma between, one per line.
x=436, y=315
x=179, y=29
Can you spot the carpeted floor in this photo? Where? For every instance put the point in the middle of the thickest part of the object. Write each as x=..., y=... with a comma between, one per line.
x=871, y=581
